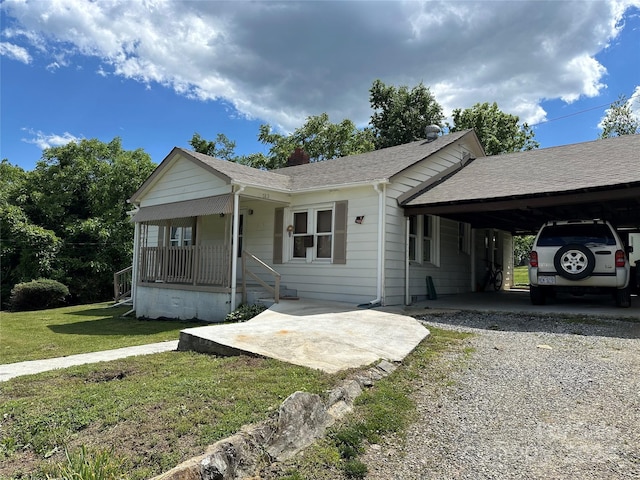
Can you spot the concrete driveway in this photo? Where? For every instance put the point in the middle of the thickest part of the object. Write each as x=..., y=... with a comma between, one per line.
x=322, y=335
x=517, y=301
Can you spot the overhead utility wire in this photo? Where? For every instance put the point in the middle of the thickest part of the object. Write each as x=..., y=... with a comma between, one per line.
x=577, y=113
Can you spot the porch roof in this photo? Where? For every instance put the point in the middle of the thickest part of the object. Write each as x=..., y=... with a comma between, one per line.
x=187, y=208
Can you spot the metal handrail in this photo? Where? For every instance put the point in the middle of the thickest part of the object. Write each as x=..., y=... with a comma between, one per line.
x=274, y=290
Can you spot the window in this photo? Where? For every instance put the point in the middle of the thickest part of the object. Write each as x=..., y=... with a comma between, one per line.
x=313, y=234
x=299, y=234
x=181, y=236
x=424, y=239
x=413, y=237
x=427, y=239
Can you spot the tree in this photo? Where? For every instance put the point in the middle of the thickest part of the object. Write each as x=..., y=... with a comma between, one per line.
x=401, y=115
x=620, y=120
x=221, y=147
x=318, y=137
x=79, y=191
x=27, y=251
x=498, y=132
x=521, y=249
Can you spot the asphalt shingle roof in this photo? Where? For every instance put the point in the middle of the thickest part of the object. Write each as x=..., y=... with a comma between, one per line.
x=377, y=165
x=599, y=163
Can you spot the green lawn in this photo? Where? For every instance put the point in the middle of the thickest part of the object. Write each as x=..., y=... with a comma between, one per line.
x=145, y=414
x=80, y=329
x=521, y=276
x=139, y=416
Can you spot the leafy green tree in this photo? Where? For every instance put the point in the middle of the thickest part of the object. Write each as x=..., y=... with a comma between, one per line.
x=319, y=138
x=401, y=115
x=27, y=251
x=521, y=248
x=221, y=147
x=79, y=192
x=620, y=120
x=498, y=132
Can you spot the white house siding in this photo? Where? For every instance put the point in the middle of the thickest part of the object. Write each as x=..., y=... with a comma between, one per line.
x=353, y=282
x=184, y=180
x=454, y=273
x=446, y=276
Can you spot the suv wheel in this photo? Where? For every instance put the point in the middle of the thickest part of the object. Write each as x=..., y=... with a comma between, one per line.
x=623, y=297
x=574, y=262
x=537, y=295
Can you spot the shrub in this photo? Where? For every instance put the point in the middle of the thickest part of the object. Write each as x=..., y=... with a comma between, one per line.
x=244, y=312
x=38, y=294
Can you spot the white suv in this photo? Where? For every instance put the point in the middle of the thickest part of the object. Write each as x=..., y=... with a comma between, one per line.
x=578, y=256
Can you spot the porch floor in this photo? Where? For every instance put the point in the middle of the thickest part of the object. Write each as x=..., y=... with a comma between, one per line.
x=322, y=335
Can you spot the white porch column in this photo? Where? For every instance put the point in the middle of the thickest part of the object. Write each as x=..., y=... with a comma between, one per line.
x=234, y=243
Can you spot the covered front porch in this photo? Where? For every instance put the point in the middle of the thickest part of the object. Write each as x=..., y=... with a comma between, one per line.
x=189, y=260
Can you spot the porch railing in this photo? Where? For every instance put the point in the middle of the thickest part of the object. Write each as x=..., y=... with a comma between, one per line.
x=122, y=284
x=193, y=264
x=275, y=290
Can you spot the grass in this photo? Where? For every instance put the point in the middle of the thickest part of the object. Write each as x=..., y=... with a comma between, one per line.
x=80, y=329
x=149, y=412
x=137, y=417
x=521, y=276
x=385, y=409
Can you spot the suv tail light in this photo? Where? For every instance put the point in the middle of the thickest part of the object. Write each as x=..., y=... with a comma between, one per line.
x=533, y=259
x=620, y=258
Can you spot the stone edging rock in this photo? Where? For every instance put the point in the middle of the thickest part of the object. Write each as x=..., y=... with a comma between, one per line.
x=300, y=421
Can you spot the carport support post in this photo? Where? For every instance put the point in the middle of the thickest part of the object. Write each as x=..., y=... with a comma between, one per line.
x=473, y=259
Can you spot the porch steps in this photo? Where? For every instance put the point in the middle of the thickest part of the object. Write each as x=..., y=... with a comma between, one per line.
x=123, y=301
x=256, y=294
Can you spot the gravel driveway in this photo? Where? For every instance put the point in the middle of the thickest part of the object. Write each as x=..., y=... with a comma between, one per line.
x=538, y=398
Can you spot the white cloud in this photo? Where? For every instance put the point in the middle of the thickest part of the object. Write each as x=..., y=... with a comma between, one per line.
x=15, y=52
x=48, y=140
x=284, y=61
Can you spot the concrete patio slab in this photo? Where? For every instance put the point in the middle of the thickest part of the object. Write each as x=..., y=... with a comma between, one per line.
x=321, y=335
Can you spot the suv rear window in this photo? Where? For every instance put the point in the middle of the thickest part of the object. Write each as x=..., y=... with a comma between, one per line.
x=581, y=234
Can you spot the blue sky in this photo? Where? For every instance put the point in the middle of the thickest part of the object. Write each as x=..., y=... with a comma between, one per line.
x=153, y=73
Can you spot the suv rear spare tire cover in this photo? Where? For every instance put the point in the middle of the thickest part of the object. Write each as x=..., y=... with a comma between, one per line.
x=574, y=262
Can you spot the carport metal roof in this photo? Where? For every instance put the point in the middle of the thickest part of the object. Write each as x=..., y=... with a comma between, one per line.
x=518, y=192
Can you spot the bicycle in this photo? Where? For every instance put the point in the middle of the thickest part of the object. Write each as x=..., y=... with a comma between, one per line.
x=494, y=276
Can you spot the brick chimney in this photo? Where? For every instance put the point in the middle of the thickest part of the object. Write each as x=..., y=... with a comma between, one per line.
x=298, y=157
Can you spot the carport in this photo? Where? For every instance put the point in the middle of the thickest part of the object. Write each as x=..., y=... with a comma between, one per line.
x=518, y=192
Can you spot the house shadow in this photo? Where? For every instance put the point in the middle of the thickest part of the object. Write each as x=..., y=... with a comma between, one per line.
x=121, y=326
x=106, y=311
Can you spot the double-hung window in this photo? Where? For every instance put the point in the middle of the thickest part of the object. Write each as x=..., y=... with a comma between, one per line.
x=424, y=239
x=181, y=236
x=313, y=234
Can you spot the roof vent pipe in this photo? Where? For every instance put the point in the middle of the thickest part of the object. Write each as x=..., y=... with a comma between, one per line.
x=431, y=132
